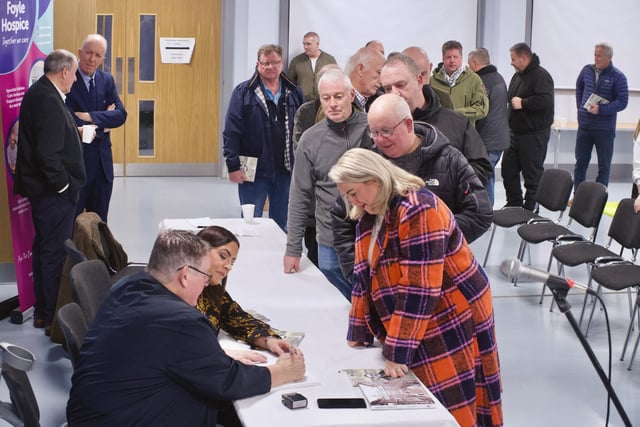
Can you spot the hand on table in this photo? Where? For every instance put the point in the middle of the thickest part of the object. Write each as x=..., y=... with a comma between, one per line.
x=291, y=264
x=247, y=357
x=395, y=370
x=277, y=346
x=289, y=367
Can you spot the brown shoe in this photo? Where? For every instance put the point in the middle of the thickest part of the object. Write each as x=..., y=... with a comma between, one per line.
x=47, y=330
x=39, y=322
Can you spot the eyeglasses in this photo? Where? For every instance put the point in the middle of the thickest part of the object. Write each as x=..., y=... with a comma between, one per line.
x=207, y=275
x=385, y=132
x=267, y=64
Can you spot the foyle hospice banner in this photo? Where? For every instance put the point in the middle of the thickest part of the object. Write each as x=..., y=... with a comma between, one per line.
x=26, y=37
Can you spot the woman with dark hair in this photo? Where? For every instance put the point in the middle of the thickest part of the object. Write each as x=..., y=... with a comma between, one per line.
x=223, y=312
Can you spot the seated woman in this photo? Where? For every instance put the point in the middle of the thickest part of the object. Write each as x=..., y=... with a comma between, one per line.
x=223, y=312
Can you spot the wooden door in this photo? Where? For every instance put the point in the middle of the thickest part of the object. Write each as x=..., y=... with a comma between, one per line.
x=172, y=125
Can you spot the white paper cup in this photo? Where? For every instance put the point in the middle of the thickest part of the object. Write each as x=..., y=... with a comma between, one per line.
x=88, y=133
x=247, y=212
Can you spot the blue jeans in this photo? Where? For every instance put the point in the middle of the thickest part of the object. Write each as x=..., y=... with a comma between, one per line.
x=330, y=267
x=585, y=140
x=278, y=191
x=494, y=157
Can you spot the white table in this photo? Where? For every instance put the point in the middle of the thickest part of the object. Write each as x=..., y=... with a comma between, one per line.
x=306, y=302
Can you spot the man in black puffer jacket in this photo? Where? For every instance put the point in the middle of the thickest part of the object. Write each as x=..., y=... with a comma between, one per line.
x=424, y=151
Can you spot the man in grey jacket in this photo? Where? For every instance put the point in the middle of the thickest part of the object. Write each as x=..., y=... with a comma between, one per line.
x=319, y=149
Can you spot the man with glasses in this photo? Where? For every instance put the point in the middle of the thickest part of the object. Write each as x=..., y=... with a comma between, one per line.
x=259, y=124
x=319, y=148
x=401, y=75
x=424, y=151
x=151, y=358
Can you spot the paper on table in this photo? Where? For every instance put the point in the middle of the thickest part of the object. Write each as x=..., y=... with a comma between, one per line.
x=228, y=343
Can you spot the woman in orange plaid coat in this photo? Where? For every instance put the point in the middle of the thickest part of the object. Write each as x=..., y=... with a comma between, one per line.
x=419, y=290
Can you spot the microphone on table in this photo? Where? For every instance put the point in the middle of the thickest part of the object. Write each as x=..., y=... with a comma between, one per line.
x=512, y=268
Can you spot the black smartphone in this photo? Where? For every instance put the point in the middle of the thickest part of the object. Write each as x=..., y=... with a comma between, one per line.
x=341, y=402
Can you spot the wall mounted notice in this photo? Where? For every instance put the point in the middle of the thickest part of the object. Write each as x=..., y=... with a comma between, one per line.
x=176, y=50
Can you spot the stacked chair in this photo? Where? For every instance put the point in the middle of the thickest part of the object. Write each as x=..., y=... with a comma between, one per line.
x=553, y=194
x=588, y=205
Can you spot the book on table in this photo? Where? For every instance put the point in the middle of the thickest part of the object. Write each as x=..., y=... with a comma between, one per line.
x=382, y=392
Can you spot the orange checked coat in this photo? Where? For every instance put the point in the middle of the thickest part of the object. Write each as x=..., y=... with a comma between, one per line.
x=426, y=299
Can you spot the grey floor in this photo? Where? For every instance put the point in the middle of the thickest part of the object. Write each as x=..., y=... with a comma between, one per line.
x=547, y=378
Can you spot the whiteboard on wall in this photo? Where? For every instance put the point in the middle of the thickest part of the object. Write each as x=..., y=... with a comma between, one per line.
x=345, y=26
x=565, y=32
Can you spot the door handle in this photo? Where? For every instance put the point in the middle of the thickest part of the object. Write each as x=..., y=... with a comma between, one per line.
x=131, y=65
x=119, y=74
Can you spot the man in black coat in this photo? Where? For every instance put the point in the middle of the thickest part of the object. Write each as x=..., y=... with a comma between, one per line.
x=530, y=118
x=50, y=172
x=400, y=75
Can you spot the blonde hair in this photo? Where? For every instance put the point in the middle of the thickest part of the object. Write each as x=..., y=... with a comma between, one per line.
x=360, y=165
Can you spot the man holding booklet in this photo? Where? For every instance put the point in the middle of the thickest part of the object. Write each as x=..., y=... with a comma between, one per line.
x=601, y=91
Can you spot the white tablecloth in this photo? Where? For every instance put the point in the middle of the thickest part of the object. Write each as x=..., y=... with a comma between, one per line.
x=306, y=302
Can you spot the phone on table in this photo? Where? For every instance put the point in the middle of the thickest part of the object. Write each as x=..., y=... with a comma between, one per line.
x=341, y=402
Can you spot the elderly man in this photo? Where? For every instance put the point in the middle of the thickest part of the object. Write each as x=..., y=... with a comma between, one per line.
x=400, y=75
x=421, y=149
x=151, y=358
x=50, y=172
x=363, y=68
x=319, y=148
x=304, y=68
x=376, y=44
x=464, y=86
x=94, y=101
x=421, y=58
x=259, y=123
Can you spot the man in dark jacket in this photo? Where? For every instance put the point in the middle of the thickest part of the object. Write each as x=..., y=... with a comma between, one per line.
x=259, y=123
x=530, y=118
x=400, y=75
x=422, y=150
x=597, y=120
x=50, y=172
x=493, y=129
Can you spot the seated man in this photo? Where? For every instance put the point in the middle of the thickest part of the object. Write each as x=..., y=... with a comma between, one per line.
x=150, y=358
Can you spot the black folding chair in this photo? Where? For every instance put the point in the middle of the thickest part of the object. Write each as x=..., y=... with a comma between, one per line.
x=553, y=194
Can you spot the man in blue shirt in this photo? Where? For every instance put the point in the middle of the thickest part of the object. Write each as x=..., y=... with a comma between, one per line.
x=259, y=123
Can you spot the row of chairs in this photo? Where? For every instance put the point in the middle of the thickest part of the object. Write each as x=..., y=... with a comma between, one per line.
x=607, y=268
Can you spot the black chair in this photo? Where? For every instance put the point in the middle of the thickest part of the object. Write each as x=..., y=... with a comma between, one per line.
x=617, y=275
x=74, y=254
x=74, y=327
x=23, y=410
x=635, y=347
x=624, y=230
x=588, y=205
x=90, y=283
x=23, y=401
x=553, y=194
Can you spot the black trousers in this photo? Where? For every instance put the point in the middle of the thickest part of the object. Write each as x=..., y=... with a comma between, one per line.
x=525, y=155
x=53, y=217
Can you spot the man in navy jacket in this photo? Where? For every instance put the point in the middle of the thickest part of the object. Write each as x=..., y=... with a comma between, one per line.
x=94, y=100
x=259, y=123
x=597, y=120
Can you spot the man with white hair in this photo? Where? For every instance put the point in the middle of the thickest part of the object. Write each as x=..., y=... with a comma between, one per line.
x=319, y=148
x=363, y=68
